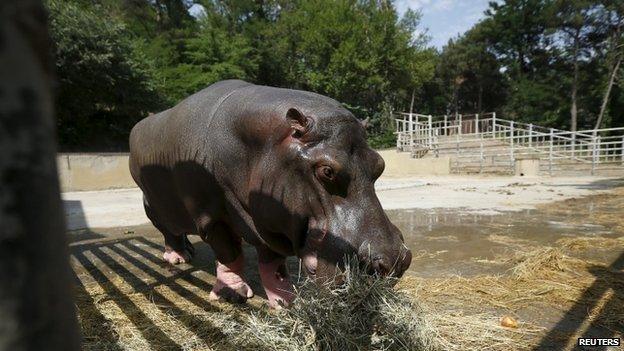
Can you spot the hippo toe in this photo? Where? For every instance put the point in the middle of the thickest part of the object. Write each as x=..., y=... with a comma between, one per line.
x=230, y=285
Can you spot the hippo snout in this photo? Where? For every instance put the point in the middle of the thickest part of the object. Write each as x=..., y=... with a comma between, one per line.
x=393, y=263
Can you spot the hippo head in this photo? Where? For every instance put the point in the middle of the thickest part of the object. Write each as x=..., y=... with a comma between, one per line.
x=317, y=195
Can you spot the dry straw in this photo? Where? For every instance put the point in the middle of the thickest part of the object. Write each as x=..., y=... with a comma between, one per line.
x=367, y=313
x=361, y=313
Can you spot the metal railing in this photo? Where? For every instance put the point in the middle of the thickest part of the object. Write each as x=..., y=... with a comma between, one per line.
x=488, y=142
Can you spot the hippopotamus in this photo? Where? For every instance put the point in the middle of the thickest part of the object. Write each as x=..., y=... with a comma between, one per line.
x=287, y=171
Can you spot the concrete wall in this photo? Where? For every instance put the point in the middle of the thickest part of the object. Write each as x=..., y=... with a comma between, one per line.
x=528, y=167
x=400, y=164
x=78, y=172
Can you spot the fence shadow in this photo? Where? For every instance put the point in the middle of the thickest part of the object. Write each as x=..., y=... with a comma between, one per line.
x=119, y=270
x=609, y=278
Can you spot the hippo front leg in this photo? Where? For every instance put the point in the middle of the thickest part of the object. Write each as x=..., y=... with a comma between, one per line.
x=230, y=284
x=275, y=278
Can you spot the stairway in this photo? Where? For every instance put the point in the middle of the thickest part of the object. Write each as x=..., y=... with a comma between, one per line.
x=494, y=145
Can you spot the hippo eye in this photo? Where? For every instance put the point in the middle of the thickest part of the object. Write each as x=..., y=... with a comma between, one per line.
x=325, y=173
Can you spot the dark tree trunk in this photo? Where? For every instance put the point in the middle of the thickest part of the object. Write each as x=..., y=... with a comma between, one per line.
x=36, y=306
x=607, y=94
x=480, y=98
x=616, y=50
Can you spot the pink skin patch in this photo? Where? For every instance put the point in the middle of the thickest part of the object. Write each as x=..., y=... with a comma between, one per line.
x=276, y=283
x=174, y=257
x=230, y=284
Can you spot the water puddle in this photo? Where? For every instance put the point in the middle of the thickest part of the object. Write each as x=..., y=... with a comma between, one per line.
x=460, y=242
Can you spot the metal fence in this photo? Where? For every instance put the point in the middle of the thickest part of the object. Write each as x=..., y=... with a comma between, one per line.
x=483, y=142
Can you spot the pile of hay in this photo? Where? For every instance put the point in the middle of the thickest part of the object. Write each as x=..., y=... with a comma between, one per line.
x=362, y=313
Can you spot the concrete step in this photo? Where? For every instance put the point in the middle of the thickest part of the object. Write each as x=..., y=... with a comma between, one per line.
x=501, y=170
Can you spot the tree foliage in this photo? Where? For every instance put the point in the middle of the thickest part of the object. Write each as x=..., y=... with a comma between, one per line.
x=105, y=83
x=552, y=62
x=541, y=61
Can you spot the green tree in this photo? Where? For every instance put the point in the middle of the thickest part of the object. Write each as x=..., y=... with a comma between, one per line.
x=210, y=55
x=105, y=83
x=360, y=53
x=470, y=74
x=612, y=54
x=574, y=24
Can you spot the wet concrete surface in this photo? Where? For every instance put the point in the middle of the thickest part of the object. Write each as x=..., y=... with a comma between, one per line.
x=456, y=242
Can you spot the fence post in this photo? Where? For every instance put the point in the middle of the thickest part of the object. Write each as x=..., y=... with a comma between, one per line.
x=574, y=144
x=410, y=130
x=460, y=125
x=593, y=169
x=445, y=125
x=481, y=157
x=436, y=152
x=457, y=152
x=511, y=146
x=398, y=133
x=430, y=132
x=550, y=152
x=622, y=151
x=511, y=134
x=477, y=124
x=494, y=125
x=531, y=135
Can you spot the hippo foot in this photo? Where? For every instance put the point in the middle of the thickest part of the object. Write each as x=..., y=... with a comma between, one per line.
x=174, y=257
x=277, y=284
x=230, y=285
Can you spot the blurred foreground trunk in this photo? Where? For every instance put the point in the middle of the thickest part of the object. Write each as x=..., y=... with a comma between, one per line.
x=36, y=304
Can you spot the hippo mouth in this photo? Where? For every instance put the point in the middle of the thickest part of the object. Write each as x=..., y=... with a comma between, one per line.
x=315, y=233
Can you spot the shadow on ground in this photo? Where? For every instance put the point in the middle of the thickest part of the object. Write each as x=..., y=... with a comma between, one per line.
x=609, y=280
x=599, y=184
x=121, y=280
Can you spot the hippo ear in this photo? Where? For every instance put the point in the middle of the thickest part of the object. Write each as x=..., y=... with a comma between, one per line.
x=366, y=123
x=299, y=123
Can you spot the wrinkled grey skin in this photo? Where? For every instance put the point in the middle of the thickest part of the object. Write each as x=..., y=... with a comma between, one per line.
x=287, y=171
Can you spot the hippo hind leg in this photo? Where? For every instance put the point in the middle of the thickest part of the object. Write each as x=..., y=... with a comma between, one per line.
x=178, y=248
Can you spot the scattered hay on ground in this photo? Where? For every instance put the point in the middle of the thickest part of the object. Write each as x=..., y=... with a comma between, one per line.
x=453, y=313
x=363, y=313
x=509, y=240
x=466, y=311
x=587, y=243
x=540, y=262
